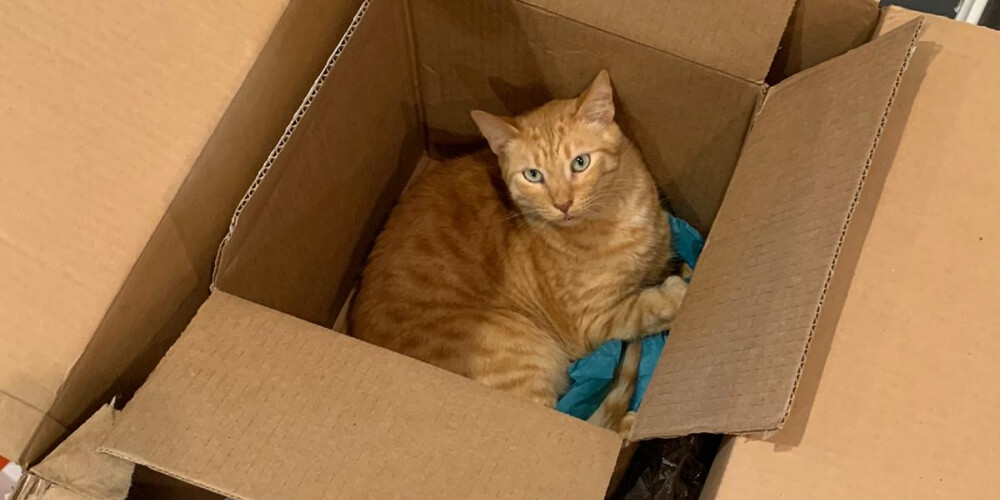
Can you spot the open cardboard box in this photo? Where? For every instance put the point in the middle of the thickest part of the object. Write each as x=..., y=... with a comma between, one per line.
x=258, y=399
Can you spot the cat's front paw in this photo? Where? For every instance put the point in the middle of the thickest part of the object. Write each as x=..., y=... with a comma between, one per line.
x=673, y=290
x=626, y=424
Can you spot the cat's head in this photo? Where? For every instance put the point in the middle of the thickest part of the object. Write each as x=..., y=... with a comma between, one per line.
x=560, y=161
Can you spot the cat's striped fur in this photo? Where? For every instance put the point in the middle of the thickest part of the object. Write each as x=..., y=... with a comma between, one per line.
x=478, y=272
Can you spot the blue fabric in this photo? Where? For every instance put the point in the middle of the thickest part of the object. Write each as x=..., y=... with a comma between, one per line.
x=591, y=377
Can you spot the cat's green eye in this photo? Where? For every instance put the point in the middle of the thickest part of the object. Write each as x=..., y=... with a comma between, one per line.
x=580, y=163
x=533, y=175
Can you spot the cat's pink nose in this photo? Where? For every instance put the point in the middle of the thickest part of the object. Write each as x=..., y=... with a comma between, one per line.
x=564, y=206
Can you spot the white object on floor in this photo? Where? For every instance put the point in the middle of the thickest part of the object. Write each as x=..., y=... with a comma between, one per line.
x=8, y=478
x=970, y=11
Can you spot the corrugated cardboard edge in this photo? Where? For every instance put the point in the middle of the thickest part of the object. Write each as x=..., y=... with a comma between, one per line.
x=285, y=136
x=850, y=214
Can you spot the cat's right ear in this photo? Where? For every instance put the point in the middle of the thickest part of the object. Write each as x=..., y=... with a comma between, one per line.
x=497, y=130
x=597, y=105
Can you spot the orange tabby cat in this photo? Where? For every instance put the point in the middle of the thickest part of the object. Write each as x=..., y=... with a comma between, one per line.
x=505, y=272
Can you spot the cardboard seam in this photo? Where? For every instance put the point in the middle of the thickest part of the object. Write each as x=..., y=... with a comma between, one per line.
x=285, y=137
x=36, y=436
x=850, y=213
x=126, y=457
x=411, y=39
x=42, y=417
x=22, y=402
x=781, y=38
x=641, y=44
x=765, y=93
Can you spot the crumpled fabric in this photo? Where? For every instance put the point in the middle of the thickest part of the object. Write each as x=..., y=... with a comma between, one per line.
x=591, y=377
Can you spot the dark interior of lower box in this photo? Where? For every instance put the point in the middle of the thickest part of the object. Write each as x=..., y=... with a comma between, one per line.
x=669, y=469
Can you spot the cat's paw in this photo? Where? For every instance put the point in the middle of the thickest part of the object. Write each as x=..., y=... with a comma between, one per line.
x=674, y=289
x=626, y=424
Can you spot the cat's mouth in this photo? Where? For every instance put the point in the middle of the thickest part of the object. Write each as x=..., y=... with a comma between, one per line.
x=566, y=220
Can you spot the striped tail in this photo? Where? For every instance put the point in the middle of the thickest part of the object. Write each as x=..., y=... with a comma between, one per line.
x=613, y=412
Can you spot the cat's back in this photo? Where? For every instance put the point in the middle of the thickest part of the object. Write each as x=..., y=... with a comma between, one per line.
x=450, y=206
x=441, y=249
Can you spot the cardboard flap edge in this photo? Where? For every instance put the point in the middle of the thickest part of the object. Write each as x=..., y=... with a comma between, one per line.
x=221, y=254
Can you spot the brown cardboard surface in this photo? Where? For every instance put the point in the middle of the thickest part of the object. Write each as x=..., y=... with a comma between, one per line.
x=734, y=36
x=334, y=417
x=120, y=178
x=507, y=57
x=328, y=186
x=733, y=358
x=820, y=30
x=904, y=404
x=77, y=466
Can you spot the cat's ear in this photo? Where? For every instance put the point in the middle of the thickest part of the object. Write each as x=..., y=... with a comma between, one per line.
x=597, y=103
x=497, y=130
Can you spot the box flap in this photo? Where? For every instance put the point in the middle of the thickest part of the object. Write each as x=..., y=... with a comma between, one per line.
x=332, y=177
x=144, y=126
x=735, y=353
x=904, y=402
x=255, y=404
x=734, y=36
x=507, y=57
x=106, y=108
x=171, y=277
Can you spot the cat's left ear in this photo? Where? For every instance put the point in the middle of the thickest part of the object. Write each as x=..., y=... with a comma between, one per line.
x=597, y=103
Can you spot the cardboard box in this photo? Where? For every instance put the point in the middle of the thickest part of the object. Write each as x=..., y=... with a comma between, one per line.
x=899, y=399
x=812, y=188
x=129, y=131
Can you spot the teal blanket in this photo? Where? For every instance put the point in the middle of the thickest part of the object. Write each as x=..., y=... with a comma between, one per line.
x=591, y=377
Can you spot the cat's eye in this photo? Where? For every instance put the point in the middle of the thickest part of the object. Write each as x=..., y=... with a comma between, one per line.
x=580, y=163
x=533, y=175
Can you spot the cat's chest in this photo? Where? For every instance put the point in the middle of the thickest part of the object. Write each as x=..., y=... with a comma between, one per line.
x=610, y=269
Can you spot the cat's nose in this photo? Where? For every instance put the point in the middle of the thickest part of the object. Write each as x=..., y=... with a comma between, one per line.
x=564, y=206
